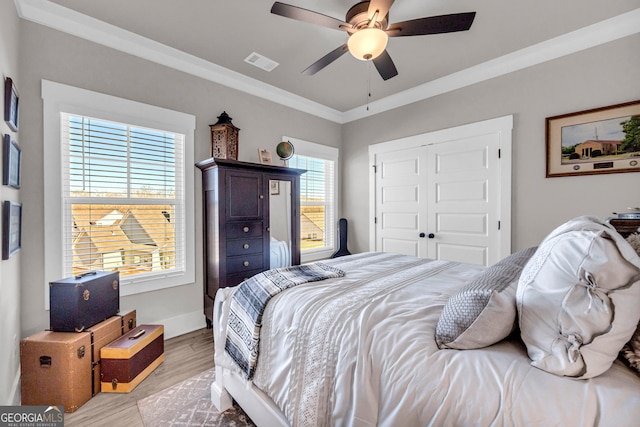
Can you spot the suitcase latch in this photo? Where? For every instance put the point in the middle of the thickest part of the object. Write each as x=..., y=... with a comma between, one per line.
x=115, y=285
x=86, y=294
x=114, y=383
x=81, y=352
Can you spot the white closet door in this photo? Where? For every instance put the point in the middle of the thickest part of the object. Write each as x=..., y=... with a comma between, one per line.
x=401, y=202
x=444, y=194
x=463, y=198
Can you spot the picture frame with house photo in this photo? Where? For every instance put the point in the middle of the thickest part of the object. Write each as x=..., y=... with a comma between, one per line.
x=597, y=141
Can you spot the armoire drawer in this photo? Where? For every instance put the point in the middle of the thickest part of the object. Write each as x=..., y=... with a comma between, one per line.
x=244, y=246
x=243, y=263
x=237, y=230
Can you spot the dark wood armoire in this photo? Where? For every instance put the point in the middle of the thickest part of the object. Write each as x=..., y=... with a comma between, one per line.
x=236, y=202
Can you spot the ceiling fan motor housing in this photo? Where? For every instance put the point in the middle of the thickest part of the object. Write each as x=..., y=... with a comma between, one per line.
x=358, y=16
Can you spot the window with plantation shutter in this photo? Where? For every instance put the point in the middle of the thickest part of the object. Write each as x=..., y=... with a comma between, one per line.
x=123, y=198
x=118, y=189
x=317, y=198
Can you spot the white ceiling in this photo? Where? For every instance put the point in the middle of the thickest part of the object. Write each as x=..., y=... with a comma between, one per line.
x=211, y=38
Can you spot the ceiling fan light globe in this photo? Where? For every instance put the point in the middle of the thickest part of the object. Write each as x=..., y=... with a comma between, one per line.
x=368, y=43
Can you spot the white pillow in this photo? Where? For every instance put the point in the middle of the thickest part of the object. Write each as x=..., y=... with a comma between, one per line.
x=578, y=299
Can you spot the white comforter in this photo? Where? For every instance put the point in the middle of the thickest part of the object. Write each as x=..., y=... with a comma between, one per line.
x=360, y=351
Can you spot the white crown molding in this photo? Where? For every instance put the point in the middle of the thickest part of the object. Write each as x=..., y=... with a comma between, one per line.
x=52, y=15
x=63, y=19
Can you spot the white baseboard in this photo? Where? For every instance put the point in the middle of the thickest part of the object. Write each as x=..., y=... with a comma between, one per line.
x=182, y=324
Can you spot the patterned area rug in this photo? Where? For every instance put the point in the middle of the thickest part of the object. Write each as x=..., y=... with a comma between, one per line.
x=189, y=404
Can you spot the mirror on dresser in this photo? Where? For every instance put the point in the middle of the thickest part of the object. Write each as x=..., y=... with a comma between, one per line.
x=279, y=223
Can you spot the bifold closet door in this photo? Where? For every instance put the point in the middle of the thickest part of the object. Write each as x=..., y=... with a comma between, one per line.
x=440, y=201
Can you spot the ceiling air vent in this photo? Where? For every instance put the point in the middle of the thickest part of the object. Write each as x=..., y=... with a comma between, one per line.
x=261, y=61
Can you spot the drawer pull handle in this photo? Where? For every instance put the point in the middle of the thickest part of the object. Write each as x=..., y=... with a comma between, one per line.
x=245, y=263
x=245, y=229
x=261, y=196
x=245, y=246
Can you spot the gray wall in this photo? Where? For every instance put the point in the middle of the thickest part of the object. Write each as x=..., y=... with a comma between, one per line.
x=597, y=77
x=55, y=56
x=9, y=269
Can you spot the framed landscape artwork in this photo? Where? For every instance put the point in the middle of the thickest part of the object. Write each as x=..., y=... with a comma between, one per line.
x=602, y=140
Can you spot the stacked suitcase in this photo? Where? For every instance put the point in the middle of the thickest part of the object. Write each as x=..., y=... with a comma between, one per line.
x=63, y=366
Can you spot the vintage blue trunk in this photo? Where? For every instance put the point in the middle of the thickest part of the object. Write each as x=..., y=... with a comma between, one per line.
x=79, y=302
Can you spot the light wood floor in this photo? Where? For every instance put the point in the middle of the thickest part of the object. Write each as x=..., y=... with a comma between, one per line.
x=185, y=356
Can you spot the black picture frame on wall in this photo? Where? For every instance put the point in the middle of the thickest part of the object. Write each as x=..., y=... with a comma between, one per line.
x=11, y=162
x=11, y=99
x=11, y=228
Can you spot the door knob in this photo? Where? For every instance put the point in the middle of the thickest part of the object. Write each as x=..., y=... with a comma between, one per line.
x=421, y=234
x=431, y=235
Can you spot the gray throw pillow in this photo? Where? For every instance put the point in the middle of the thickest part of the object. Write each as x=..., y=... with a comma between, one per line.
x=484, y=311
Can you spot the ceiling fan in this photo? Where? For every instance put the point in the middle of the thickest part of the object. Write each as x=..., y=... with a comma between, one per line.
x=367, y=24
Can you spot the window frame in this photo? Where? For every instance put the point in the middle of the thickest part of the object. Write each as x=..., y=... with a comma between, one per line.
x=58, y=98
x=324, y=152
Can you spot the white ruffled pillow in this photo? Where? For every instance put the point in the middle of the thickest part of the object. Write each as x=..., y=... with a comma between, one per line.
x=578, y=299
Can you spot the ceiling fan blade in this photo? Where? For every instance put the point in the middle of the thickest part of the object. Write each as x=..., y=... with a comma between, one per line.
x=381, y=6
x=309, y=16
x=385, y=66
x=432, y=25
x=326, y=60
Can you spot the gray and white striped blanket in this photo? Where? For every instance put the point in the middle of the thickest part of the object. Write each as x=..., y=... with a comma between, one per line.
x=249, y=301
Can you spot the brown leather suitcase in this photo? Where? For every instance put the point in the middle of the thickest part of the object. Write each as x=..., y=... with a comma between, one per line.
x=63, y=368
x=56, y=369
x=131, y=358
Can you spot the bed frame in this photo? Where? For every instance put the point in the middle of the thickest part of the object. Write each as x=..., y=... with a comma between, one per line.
x=228, y=387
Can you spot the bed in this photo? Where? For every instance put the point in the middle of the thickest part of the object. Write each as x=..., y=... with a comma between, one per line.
x=391, y=342
x=280, y=255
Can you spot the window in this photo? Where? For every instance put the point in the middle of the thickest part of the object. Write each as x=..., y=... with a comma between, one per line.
x=117, y=169
x=318, y=201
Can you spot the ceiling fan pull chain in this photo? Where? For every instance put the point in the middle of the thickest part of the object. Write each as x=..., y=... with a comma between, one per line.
x=368, y=83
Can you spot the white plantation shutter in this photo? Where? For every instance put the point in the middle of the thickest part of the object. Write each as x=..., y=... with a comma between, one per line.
x=123, y=199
